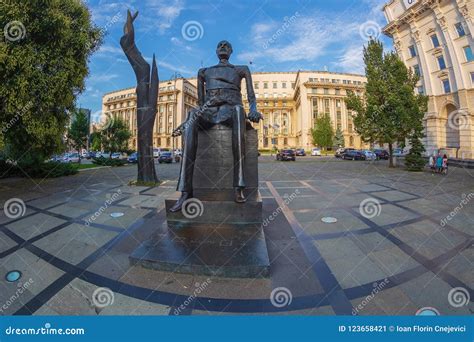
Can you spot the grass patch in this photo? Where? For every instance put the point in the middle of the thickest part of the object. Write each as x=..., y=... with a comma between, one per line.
x=140, y=183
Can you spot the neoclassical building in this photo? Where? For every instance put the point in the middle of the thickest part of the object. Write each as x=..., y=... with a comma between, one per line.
x=435, y=39
x=289, y=101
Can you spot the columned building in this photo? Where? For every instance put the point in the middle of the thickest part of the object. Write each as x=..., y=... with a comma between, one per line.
x=289, y=101
x=435, y=39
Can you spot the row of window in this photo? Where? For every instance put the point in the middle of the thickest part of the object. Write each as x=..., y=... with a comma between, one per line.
x=274, y=85
x=335, y=81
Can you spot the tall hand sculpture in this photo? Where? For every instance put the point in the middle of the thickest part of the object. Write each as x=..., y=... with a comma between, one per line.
x=147, y=96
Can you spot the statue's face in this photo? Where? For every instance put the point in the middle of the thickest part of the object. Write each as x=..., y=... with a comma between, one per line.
x=224, y=49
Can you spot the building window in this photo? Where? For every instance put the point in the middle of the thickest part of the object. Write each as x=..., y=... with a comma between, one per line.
x=468, y=53
x=351, y=141
x=265, y=95
x=421, y=90
x=162, y=109
x=265, y=85
x=255, y=85
x=435, y=41
x=350, y=128
x=338, y=91
x=460, y=30
x=472, y=77
x=326, y=91
x=314, y=90
x=416, y=69
x=441, y=62
x=446, y=86
x=412, y=50
x=283, y=85
x=275, y=85
x=293, y=85
x=338, y=103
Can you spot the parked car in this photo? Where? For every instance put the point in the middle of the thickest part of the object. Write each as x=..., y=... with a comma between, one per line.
x=381, y=154
x=116, y=155
x=286, y=155
x=300, y=152
x=369, y=155
x=158, y=150
x=90, y=155
x=398, y=152
x=316, y=152
x=339, y=152
x=353, y=155
x=56, y=158
x=165, y=157
x=71, y=158
x=133, y=158
x=102, y=155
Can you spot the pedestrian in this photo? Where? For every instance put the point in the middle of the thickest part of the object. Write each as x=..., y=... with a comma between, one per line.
x=445, y=164
x=432, y=163
x=439, y=163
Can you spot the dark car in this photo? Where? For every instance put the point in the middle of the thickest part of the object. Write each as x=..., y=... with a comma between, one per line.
x=286, y=155
x=300, y=152
x=165, y=157
x=133, y=158
x=340, y=151
x=381, y=154
x=353, y=155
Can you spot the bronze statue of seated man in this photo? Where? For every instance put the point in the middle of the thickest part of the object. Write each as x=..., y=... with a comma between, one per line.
x=220, y=102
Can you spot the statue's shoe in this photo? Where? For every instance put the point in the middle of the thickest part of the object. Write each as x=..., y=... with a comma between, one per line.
x=179, y=203
x=239, y=195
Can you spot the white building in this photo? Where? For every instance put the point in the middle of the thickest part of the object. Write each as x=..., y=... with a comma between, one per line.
x=435, y=39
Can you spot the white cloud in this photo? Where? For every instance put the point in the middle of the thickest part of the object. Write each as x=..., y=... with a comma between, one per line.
x=352, y=60
x=161, y=14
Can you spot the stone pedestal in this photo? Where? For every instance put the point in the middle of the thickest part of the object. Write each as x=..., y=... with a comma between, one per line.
x=213, y=235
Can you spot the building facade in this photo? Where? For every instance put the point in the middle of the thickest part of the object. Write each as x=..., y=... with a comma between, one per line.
x=435, y=39
x=289, y=101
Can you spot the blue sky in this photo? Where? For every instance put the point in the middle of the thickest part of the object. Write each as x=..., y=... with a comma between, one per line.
x=267, y=35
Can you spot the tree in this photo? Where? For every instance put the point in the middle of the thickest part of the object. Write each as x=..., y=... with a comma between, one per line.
x=339, y=138
x=414, y=160
x=115, y=135
x=96, y=144
x=147, y=96
x=390, y=110
x=78, y=132
x=43, y=64
x=322, y=133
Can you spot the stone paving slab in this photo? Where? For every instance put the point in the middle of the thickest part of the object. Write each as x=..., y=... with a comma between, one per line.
x=31, y=226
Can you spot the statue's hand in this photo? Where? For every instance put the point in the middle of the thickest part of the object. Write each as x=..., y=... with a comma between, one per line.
x=178, y=131
x=128, y=37
x=255, y=117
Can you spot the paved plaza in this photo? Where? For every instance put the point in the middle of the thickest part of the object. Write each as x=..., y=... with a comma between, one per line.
x=402, y=241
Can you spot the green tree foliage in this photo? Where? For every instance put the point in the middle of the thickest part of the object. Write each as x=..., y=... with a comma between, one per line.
x=339, y=138
x=322, y=133
x=42, y=70
x=390, y=111
x=115, y=135
x=78, y=131
x=414, y=160
x=96, y=144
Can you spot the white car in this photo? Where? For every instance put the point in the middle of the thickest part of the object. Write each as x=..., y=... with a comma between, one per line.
x=71, y=158
x=369, y=155
x=316, y=152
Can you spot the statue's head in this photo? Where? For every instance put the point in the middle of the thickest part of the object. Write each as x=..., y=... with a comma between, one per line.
x=224, y=49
